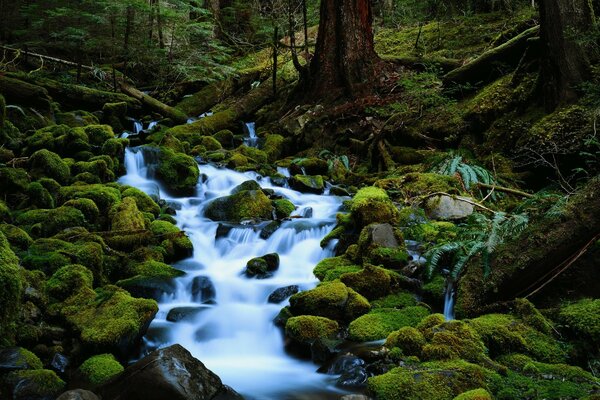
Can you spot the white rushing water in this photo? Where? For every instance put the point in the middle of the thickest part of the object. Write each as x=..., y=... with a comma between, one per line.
x=449, y=301
x=233, y=333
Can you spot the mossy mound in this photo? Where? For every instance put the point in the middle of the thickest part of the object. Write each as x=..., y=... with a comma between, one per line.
x=69, y=280
x=39, y=196
x=371, y=205
x=34, y=384
x=283, y=208
x=99, y=369
x=48, y=255
x=125, y=216
x=177, y=171
x=11, y=287
x=104, y=196
x=44, y=163
x=380, y=322
x=435, y=381
x=475, y=394
x=583, y=319
x=372, y=282
x=307, y=183
x=330, y=269
x=407, y=339
x=395, y=300
x=108, y=319
x=308, y=328
x=46, y=223
x=331, y=300
x=174, y=242
x=247, y=204
x=13, y=180
x=416, y=184
x=18, y=239
x=273, y=147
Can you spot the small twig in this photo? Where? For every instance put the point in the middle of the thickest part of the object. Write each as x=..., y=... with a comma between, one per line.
x=505, y=190
x=474, y=203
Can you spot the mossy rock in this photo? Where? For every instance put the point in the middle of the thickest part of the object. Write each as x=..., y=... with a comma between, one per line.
x=99, y=169
x=177, y=171
x=583, y=319
x=108, y=319
x=19, y=358
x=372, y=205
x=224, y=137
x=76, y=118
x=252, y=153
x=475, y=394
x=115, y=148
x=248, y=204
x=380, y=322
x=13, y=180
x=34, y=384
x=104, y=196
x=18, y=239
x=455, y=339
x=435, y=289
x=307, y=183
x=44, y=163
x=435, y=381
x=46, y=223
x=408, y=339
x=11, y=288
x=210, y=143
x=330, y=269
x=503, y=334
x=309, y=166
x=98, y=370
x=39, y=196
x=372, y=282
x=331, y=300
x=88, y=208
x=416, y=184
x=126, y=217
x=175, y=243
x=98, y=134
x=395, y=300
x=69, y=280
x=273, y=147
x=283, y=208
x=308, y=328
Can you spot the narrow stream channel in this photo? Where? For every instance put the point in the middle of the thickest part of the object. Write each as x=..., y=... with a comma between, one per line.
x=222, y=317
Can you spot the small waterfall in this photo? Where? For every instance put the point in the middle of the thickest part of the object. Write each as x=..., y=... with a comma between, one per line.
x=449, y=300
x=251, y=140
x=223, y=317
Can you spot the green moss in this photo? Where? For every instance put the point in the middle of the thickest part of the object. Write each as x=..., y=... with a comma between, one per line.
x=115, y=147
x=307, y=183
x=109, y=318
x=28, y=360
x=396, y=300
x=87, y=207
x=98, y=134
x=458, y=338
x=154, y=269
x=104, y=196
x=69, y=280
x=371, y=205
x=178, y=171
x=76, y=118
x=504, y=334
x=224, y=137
x=39, y=196
x=330, y=269
x=372, y=282
x=235, y=161
x=143, y=201
x=435, y=289
x=210, y=143
x=18, y=239
x=380, y=322
x=308, y=328
x=432, y=232
x=174, y=241
x=475, y=394
x=44, y=163
x=388, y=257
x=13, y=180
x=49, y=222
x=41, y=383
x=436, y=381
x=204, y=126
x=125, y=216
x=249, y=204
x=5, y=213
x=254, y=154
x=99, y=369
x=416, y=184
x=283, y=208
x=97, y=168
x=273, y=147
x=532, y=317
x=408, y=339
x=11, y=287
x=583, y=318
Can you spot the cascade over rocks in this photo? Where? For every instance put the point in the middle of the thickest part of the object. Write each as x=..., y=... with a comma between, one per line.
x=171, y=373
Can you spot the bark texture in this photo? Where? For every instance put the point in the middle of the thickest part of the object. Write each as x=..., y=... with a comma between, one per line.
x=563, y=23
x=344, y=60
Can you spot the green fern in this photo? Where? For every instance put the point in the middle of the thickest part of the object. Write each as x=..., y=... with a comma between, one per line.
x=480, y=236
x=470, y=174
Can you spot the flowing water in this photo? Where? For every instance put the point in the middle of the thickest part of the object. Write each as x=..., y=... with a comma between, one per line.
x=449, y=300
x=227, y=320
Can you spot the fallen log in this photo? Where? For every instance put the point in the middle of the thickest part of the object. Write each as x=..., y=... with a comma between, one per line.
x=20, y=52
x=153, y=104
x=482, y=68
x=544, y=250
x=421, y=64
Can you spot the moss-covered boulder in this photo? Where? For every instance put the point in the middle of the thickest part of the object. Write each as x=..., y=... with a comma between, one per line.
x=174, y=242
x=224, y=137
x=283, y=208
x=13, y=180
x=11, y=287
x=99, y=169
x=416, y=184
x=34, y=384
x=97, y=370
x=308, y=328
x=307, y=183
x=475, y=394
x=582, y=318
x=380, y=322
x=274, y=147
x=108, y=319
x=372, y=282
x=46, y=223
x=262, y=267
x=144, y=202
x=44, y=163
x=330, y=269
x=435, y=381
x=104, y=196
x=331, y=300
x=247, y=204
x=76, y=118
x=18, y=239
x=127, y=217
x=18, y=358
x=69, y=280
x=407, y=339
x=371, y=205
x=177, y=171
x=150, y=279
x=309, y=166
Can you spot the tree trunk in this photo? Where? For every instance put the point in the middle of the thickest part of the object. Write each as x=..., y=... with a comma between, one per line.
x=566, y=65
x=345, y=58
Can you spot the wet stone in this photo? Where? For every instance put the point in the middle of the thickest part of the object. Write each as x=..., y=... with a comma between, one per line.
x=202, y=289
x=184, y=314
x=281, y=294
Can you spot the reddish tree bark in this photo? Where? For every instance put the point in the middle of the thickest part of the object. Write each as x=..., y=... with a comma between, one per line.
x=345, y=58
x=563, y=23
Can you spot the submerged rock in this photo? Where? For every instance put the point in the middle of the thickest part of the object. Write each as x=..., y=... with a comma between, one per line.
x=171, y=373
x=247, y=204
x=283, y=293
x=262, y=267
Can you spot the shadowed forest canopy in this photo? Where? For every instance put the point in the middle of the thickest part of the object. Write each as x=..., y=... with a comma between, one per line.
x=299, y=199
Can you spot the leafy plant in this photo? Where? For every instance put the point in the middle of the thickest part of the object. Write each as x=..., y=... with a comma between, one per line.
x=480, y=236
x=334, y=160
x=470, y=174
